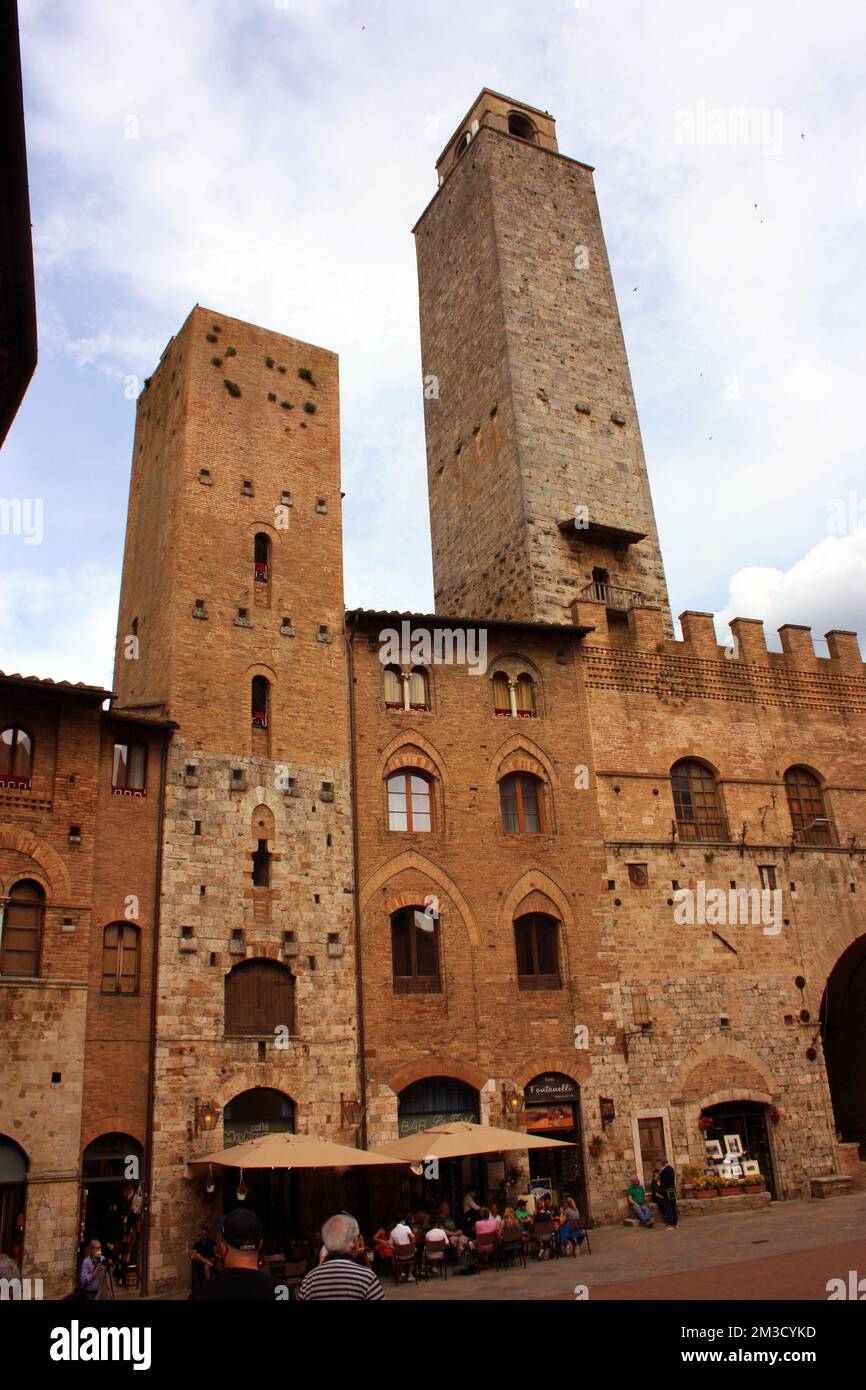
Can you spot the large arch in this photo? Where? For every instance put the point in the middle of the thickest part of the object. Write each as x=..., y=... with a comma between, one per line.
x=48, y=860
x=407, y=740
x=411, y=859
x=434, y=1065
x=520, y=753
x=843, y=1030
x=710, y=1050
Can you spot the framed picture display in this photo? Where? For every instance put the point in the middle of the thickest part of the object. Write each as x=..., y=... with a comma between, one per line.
x=734, y=1145
x=714, y=1149
x=751, y=1168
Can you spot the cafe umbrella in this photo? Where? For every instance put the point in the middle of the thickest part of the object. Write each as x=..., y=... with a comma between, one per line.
x=294, y=1151
x=462, y=1139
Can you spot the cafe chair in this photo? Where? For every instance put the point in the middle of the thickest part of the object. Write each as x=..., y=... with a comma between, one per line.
x=403, y=1259
x=436, y=1256
x=513, y=1248
x=486, y=1249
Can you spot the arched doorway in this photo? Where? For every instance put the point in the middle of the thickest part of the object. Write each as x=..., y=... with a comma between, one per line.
x=552, y=1109
x=748, y=1120
x=843, y=1028
x=439, y=1100
x=272, y=1195
x=111, y=1199
x=13, y=1198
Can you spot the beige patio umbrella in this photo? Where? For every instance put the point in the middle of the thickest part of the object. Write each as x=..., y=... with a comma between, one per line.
x=461, y=1138
x=294, y=1151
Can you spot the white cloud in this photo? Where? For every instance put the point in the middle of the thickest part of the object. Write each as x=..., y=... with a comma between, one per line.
x=59, y=626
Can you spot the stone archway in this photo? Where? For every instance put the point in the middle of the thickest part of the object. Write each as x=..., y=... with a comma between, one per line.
x=843, y=1029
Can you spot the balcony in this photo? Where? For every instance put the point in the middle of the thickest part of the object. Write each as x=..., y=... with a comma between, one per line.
x=612, y=596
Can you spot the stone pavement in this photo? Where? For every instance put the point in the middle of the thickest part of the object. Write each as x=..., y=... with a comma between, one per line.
x=787, y=1250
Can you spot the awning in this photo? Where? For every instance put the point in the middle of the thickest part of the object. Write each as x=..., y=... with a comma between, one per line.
x=461, y=1139
x=293, y=1151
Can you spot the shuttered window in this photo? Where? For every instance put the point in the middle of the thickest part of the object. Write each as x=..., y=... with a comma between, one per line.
x=259, y=997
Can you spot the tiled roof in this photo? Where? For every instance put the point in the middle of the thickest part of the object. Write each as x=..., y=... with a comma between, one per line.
x=67, y=687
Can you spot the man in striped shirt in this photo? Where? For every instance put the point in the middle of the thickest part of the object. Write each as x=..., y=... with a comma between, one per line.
x=339, y=1276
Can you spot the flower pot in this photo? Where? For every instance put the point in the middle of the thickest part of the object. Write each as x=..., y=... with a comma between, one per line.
x=703, y=1192
x=731, y=1191
x=754, y=1188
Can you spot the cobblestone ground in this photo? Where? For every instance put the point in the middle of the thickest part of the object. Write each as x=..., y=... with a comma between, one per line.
x=789, y=1251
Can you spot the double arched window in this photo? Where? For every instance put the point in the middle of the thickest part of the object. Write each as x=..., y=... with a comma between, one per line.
x=410, y=800
x=16, y=757
x=521, y=803
x=415, y=951
x=21, y=929
x=121, y=952
x=697, y=806
x=409, y=690
x=514, y=696
x=809, y=819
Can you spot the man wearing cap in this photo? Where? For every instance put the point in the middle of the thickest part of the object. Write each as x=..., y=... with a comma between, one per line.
x=240, y=1278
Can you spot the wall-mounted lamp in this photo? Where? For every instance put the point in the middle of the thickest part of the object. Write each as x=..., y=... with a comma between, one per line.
x=206, y=1115
x=351, y=1112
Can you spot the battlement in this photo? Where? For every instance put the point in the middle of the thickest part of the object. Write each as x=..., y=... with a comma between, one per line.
x=643, y=630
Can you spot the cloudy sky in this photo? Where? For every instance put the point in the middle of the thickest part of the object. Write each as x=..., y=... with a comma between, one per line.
x=267, y=158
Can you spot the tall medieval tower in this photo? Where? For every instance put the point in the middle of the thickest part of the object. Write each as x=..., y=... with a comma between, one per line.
x=536, y=473
x=231, y=624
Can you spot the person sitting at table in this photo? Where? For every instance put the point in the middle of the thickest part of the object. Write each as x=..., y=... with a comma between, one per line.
x=486, y=1225
x=523, y=1214
x=382, y=1241
x=437, y=1238
x=203, y=1255
x=496, y=1215
x=402, y=1235
x=571, y=1227
x=446, y=1220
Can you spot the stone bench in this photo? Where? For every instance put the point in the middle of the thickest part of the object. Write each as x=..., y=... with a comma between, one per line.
x=830, y=1186
x=716, y=1206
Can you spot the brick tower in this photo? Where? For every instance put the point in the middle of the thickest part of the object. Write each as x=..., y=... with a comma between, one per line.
x=536, y=473
x=231, y=624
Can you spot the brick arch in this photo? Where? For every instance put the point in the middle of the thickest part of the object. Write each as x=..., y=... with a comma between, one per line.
x=520, y=746
x=411, y=739
x=692, y=757
x=49, y=861
x=575, y=1065
x=394, y=901
x=411, y=756
x=436, y=1066
x=532, y=882
x=807, y=767
x=411, y=859
x=258, y=669
x=267, y=526
x=710, y=1051
x=703, y=1078
x=113, y=1124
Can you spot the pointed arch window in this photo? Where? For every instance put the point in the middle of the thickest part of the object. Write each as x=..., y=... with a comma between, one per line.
x=410, y=801
x=521, y=801
x=415, y=951
x=120, y=958
x=536, y=942
x=21, y=929
x=697, y=806
x=261, y=699
x=16, y=758
x=809, y=819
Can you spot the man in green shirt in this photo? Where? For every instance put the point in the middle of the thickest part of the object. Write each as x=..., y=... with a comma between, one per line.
x=637, y=1202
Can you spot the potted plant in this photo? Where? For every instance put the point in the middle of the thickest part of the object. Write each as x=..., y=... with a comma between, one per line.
x=730, y=1187
x=690, y=1175
x=754, y=1183
x=595, y=1145
x=705, y=1123
x=706, y=1185
x=775, y=1115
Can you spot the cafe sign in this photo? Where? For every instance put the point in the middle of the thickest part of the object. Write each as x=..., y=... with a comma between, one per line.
x=414, y=1124
x=552, y=1086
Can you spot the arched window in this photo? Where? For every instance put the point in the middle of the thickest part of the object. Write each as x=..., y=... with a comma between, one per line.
x=696, y=802
x=262, y=558
x=415, y=951
x=259, y=997
x=536, y=941
x=393, y=688
x=521, y=126
x=410, y=803
x=463, y=143
x=261, y=693
x=525, y=697
x=261, y=865
x=809, y=819
x=21, y=935
x=521, y=800
x=419, y=689
x=129, y=769
x=501, y=696
x=16, y=758
x=121, y=949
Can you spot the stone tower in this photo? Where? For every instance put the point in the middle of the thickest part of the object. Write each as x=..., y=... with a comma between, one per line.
x=536, y=473
x=231, y=624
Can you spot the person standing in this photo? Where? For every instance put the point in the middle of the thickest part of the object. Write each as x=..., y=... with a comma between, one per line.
x=668, y=1185
x=339, y=1276
x=93, y=1270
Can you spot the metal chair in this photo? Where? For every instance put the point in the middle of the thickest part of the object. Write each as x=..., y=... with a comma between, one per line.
x=436, y=1256
x=486, y=1249
x=404, y=1259
x=546, y=1236
x=513, y=1248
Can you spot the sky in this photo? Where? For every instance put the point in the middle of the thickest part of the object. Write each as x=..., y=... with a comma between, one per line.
x=268, y=158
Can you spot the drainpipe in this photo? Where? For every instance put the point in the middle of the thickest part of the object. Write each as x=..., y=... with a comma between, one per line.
x=151, y=1064
x=356, y=905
